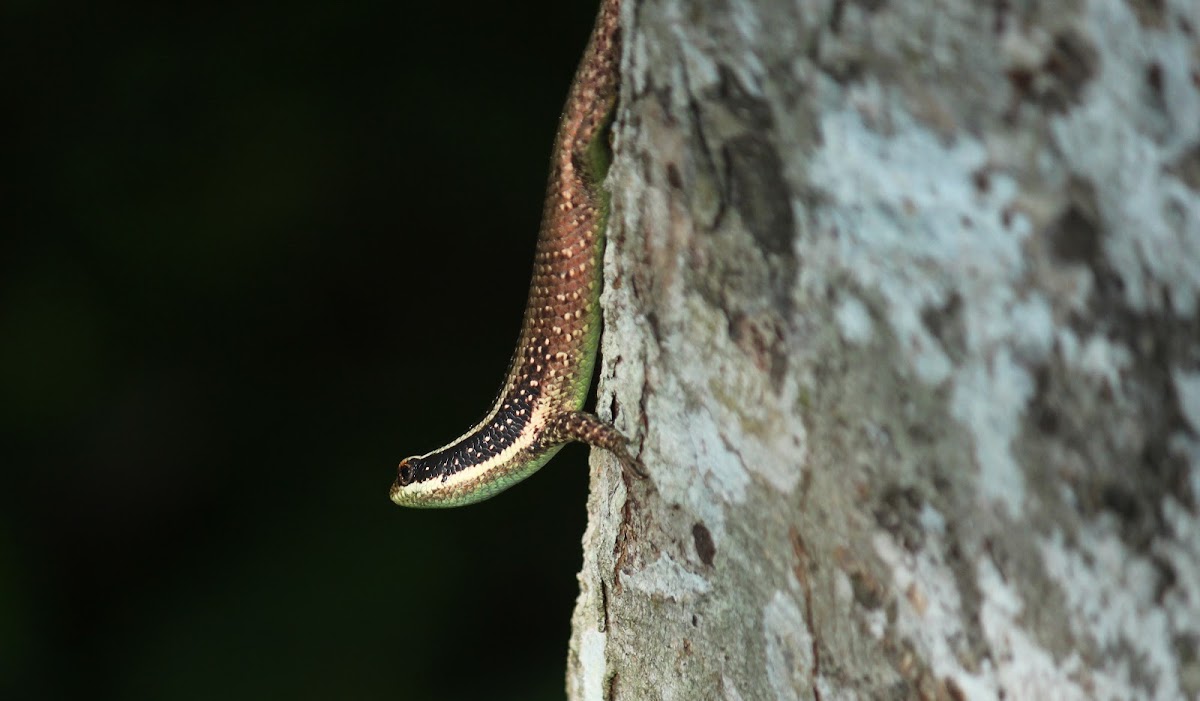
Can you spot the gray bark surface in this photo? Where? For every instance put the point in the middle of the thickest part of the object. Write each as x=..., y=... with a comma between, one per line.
x=902, y=311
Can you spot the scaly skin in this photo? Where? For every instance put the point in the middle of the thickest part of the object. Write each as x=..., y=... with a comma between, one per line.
x=540, y=405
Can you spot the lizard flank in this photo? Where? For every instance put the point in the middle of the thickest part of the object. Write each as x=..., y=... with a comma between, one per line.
x=540, y=406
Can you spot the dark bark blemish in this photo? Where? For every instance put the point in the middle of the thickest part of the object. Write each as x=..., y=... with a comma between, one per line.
x=1059, y=82
x=899, y=513
x=1149, y=13
x=982, y=180
x=674, y=179
x=1075, y=236
x=868, y=592
x=945, y=323
x=1154, y=78
x=759, y=192
x=1187, y=168
x=705, y=548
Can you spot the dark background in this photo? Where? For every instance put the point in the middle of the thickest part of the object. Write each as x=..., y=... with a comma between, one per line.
x=250, y=257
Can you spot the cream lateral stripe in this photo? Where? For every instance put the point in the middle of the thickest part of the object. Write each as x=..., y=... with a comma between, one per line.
x=451, y=483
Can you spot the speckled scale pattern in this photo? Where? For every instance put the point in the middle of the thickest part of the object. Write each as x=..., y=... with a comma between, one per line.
x=539, y=406
x=485, y=442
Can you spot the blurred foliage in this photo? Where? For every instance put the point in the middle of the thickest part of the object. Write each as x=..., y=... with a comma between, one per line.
x=252, y=256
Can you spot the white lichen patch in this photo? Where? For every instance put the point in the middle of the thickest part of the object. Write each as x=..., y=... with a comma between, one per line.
x=1152, y=218
x=933, y=523
x=1110, y=599
x=789, y=646
x=770, y=438
x=1097, y=357
x=718, y=477
x=913, y=226
x=931, y=617
x=592, y=664
x=853, y=320
x=1020, y=668
x=752, y=428
x=990, y=400
x=729, y=690
x=1187, y=389
x=667, y=579
x=1181, y=550
x=1185, y=443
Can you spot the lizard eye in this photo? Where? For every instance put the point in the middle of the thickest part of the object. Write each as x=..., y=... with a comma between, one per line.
x=406, y=472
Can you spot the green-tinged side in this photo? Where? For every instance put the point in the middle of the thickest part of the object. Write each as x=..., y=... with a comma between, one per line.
x=495, y=483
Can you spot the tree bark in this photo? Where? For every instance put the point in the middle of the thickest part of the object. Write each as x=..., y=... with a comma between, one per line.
x=901, y=310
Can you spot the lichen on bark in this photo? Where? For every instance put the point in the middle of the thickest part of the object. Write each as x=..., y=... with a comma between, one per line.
x=901, y=308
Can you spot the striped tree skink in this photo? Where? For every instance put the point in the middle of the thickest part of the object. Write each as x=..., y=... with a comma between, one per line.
x=540, y=406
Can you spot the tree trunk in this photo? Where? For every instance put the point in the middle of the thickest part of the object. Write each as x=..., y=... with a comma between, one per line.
x=902, y=311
